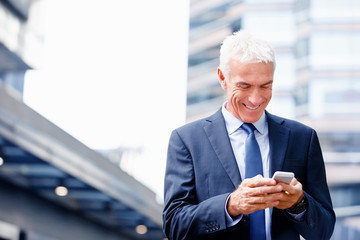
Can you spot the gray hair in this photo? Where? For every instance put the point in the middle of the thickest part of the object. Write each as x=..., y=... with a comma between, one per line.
x=246, y=48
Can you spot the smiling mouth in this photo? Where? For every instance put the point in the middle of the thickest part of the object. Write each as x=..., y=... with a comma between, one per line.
x=252, y=108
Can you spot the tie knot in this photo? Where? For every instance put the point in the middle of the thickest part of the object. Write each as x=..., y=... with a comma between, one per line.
x=248, y=127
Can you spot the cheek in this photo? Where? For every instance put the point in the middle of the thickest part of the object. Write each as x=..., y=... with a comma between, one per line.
x=268, y=95
x=235, y=95
x=236, y=98
x=266, y=99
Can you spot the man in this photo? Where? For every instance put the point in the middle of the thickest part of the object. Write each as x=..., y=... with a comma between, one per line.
x=210, y=189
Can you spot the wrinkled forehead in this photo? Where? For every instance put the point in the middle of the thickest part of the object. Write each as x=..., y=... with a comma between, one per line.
x=261, y=71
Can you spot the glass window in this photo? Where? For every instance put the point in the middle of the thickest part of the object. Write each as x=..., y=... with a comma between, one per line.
x=335, y=50
x=278, y=27
x=331, y=97
x=302, y=96
x=335, y=10
x=269, y=1
x=302, y=5
x=284, y=76
x=282, y=106
x=302, y=48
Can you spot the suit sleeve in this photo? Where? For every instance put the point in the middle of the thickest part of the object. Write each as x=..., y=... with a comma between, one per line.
x=320, y=217
x=184, y=217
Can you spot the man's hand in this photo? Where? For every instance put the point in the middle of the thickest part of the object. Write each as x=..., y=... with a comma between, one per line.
x=254, y=194
x=292, y=194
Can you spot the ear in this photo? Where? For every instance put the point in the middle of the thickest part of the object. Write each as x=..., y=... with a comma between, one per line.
x=221, y=78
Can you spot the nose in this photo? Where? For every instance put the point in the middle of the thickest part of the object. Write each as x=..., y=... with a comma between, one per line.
x=255, y=97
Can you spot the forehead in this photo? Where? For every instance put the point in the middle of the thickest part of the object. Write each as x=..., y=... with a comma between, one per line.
x=249, y=71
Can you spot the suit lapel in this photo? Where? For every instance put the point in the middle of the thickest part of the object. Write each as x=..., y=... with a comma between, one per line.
x=217, y=134
x=278, y=140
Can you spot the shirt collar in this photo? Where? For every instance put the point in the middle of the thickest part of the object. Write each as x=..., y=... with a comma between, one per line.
x=233, y=123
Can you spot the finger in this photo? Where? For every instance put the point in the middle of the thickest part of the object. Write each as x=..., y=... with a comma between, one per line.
x=294, y=181
x=263, y=199
x=286, y=187
x=250, y=207
x=266, y=201
x=286, y=202
x=293, y=189
x=264, y=190
x=289, y=188
x=259, y=181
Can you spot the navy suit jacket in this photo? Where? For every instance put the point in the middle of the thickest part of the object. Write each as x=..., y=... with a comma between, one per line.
x=201, y=172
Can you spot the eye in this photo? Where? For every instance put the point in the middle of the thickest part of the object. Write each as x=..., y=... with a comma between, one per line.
x=243, y=85
x=267, y=85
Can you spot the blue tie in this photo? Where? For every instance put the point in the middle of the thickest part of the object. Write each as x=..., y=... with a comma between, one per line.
x=253, y=167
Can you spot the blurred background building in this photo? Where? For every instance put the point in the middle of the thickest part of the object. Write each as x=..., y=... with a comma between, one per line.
x=54, y=187
x=317, y=78
x=21, y=41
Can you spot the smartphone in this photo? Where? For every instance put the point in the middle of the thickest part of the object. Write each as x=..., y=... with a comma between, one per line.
x=284, y=177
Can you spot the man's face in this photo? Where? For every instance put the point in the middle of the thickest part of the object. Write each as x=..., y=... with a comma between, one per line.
x=248, y=88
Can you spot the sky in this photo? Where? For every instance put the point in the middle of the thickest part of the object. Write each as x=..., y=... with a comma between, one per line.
x=113, y=74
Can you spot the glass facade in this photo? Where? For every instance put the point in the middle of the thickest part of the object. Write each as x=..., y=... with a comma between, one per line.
x=334, y=10
x=339, y=50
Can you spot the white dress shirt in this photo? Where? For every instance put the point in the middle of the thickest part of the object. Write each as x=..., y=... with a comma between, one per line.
x=237, y=139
